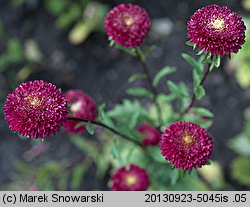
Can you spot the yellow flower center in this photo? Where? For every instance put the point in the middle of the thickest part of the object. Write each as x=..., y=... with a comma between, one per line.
x=187, y=139
x=218, y=24
x=34, y=101
x=128, y=20
x=131, y=179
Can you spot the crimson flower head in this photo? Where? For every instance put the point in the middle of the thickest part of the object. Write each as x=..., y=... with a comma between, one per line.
x=81, y=106
x=127, y=25
x=217, y=30
x=133, y=179
x=186, y=145
x=36, y=109
x=152, y=135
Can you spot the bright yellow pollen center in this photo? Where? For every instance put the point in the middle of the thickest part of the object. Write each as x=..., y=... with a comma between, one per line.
x=131, y=180
x=187, y=139
x=219, y=24
x=128, y=20
x=34, y=101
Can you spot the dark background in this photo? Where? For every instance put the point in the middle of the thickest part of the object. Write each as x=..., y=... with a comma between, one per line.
x=103, y=72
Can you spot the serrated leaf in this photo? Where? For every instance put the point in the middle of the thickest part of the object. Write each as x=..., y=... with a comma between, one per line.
x=163, y=72
x=89, y=128
x=136, y=76
x=199, y=92
x=138, y=91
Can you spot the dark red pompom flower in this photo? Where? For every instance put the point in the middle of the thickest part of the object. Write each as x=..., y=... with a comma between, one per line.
x=217, y=30
x=133, y=179
x=152, y=135
x=186, y=145
x=36, y=109
x=82, y=107
x=127, y=25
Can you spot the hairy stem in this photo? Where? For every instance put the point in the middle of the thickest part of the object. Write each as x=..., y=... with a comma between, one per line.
x=153, y=89
x=109, y=128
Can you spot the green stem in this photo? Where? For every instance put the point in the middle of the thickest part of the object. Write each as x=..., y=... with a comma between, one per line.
x=193, y=99
x=109, y=128
x=141, y=57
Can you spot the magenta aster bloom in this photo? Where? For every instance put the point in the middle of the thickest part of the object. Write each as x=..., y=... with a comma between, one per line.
x=127, y=25
x=36, y=109
x=82, y=107
x=217, y=30
x=152, y=135
x=133, y=179
x=186, y=145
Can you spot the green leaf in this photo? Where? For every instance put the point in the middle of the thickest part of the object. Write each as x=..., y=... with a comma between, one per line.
x=104, y=117
x=240, y=170
x=163, y=72
x=138, y=91
x=89, y=128
x=73, y=13
x=196, y=78
x=240, y=144
x=136, y=76
x=196, y=65
x=82, y=123
x=203, y=112
x=56, y=7
x=14, y=51
x=199, y=52
x=199, y=92
x=88, y=147
x=207, y=58
x=211, y=66
x=116, y=153
x=174, y=89
x=134, y=120
x=78, y=174
x=130, y=51
x=190, y=43
x=155, y=153
x=217, y=60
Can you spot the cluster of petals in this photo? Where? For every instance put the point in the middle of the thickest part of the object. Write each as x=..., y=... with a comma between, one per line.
x=81, y=106
x=36, y=109
x=127, y=25
x=217, y=30
x=186, y=145
x=133, y=179
x=151, y=135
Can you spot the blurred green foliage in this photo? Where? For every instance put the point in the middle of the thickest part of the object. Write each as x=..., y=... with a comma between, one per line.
x=242, y=60
x=241, y=145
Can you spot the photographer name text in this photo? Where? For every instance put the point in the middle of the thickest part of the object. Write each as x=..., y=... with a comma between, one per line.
x=55, y=198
